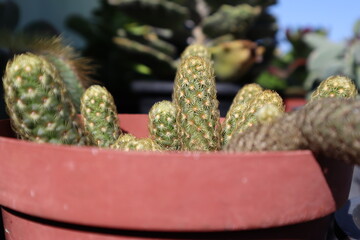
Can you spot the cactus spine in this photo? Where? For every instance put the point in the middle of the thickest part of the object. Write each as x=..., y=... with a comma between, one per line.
x=197, y=113
x=99, y=116
x=38, y=103
x=162, y=125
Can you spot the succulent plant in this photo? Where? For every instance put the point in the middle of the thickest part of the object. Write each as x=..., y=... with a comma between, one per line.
x=123, y=138
x=229, y=19
x=328, y=127
x=38, y=102
x=162, y=125
x=197, y=113
x=238, y=106
x=249, y=116
x=268, y=113
x=335, y=86
x=332, y=129
x=279, y=135
x=329, y=58
x=100, y=119
x=136, y=144
x=196, y=50
x=74, y=70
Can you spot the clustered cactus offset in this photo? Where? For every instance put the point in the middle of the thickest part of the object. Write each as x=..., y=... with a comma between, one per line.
x=38, y=102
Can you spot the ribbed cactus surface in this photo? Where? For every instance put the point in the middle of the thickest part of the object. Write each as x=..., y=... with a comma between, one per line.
x=123, y=139
x=248, y=118
x=38, y=103
x=162, y=125
x=281, y=134
x=335, y=86
x=137, y=144
x=328, y=127
x=237, y=108
x=198, y=50
x=197, y=113
x=100, y=117
x=332, y=129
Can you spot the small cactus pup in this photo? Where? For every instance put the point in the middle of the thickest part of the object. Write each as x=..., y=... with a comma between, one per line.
x=198, y=50
x=123, y=138
x=247, y=92
x=335, y=86
x=162, y=125
x=100, y=119
x=74, y=70
x=248, y=118
x=38, y=103
x=268, y=113
x=131, y=143
x=197, y=113
x=238, y=106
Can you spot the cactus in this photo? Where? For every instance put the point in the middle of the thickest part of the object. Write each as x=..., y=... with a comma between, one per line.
x=154, y=12
x=197, y=113
x=231, y=19
x=100, y=117
x=335, y=86
x=137, y=144
x=237, y=108
x=38, y=103
x=279, y=135
x=246, y=93
x=196, y=50
x=74, y=70
x=243, y=115
x=328, y=127
x=332, y=129
x=124, y=138
x=268, y=113
x=162, y=125
x=265, y=97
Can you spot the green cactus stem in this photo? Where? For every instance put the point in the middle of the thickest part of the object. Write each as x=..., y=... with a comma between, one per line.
x=248, y=118
x=328, y=127
x=335, y=86
x=198, y=50
x=38, y=103
x=124, y=138
x=238, y=106
x=100, y=119
x=197, y=113
x=268, y=113
x=136, y=144
x=74, y=70
x=162, y=125
x=279, y=135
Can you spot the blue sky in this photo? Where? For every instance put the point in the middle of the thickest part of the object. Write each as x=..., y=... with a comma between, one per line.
x=338, y=17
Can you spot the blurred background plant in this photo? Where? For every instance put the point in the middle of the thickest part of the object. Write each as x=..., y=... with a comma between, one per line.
x=331, y=58
x=143, y=39
x=287, y=71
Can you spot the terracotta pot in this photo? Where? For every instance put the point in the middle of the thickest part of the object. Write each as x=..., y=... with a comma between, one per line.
x=66, y=192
